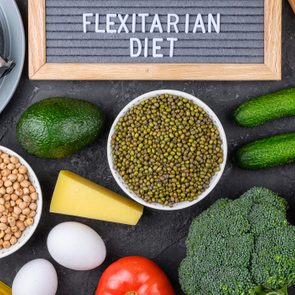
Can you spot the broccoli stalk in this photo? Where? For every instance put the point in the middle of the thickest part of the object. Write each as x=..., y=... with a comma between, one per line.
x=283, y=291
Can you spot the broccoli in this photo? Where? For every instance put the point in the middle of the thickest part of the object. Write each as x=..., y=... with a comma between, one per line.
x=240, y=247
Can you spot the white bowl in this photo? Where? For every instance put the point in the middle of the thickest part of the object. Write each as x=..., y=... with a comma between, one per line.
x=28, y=232
x=215, y=178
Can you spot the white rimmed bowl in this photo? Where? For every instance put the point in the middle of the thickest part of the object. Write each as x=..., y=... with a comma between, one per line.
x=215, y=178
x=28, y=232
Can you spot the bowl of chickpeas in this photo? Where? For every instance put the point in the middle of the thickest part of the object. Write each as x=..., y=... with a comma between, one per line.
x=20, y=202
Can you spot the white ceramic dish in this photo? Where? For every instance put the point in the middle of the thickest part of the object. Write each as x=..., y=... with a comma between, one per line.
x=215, y=178
x=14, y=48
x=28, y=232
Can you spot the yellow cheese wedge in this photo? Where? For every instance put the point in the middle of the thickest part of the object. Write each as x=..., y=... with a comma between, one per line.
x=77, y=196
x=4, y=289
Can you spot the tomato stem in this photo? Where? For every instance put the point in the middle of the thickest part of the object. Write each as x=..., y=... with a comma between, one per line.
x=131, y=293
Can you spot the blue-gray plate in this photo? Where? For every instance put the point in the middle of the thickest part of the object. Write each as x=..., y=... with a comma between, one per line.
x=12, y=46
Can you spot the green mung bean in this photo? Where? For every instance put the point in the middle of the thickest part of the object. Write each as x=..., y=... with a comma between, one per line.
x=167, y=149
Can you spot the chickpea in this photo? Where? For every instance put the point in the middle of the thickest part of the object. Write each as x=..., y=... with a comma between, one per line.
x=23, y=205
x=22, y=169
x=15, y=172
x=6, y=160
x=24, y=183
x=20, y=177
x=3, y=219
x=17, y=210
x=18, y=234
x=33, y=206
x=16, y=186
x=10, y=166
x=13, y=240
x=34, y=196
x=3, y=226
x=22, y=217
x=20, y=225
x=17, y=200
x=6, y=197
x=26, y=191
x=6, y=244
x=7, y=183
x=14, y=229
x=29, y=221
x=32, y=189
x=9, y=190
x=27, y=198
x=26, y=211
x=8, y=230
x=5, y=172
x=18, y=192
x=14, y=160
x=32, y=214
x=11, y=221
x=14, y=197
x=12, y=177
x=7, y=237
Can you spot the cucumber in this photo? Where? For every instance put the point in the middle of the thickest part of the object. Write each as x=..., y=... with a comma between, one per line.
x=265, y=108
x=268, y=152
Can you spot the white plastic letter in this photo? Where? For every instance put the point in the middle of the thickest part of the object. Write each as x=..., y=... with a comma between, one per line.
x=216, y=24
x=85, y=21
x=156, y=24
x=123, y=25
x=157, y=47
x=143, y=17
x=173, y=23
x=97, y=29
x=133, y=22
x=172, y=43
x=187, y=23
x=199, y=24
x=110, y=23
x=139, y=47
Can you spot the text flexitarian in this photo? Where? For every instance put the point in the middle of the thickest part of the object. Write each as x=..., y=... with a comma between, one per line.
x=145, y=23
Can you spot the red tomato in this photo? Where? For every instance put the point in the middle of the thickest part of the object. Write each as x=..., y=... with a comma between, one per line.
x=134, y=275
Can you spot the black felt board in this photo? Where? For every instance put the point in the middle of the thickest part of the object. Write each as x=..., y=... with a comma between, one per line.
x=241, y=37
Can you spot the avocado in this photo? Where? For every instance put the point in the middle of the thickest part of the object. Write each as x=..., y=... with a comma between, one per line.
x=57, y=127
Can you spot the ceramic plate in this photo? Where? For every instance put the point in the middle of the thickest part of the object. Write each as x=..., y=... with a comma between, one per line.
x=12, y=46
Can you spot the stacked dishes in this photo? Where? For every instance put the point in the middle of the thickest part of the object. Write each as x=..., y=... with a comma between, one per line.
x=12, y=46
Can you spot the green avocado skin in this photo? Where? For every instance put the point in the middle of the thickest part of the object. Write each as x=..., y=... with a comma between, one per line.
x=268, y=152
x=265, y=108
x=58, y=127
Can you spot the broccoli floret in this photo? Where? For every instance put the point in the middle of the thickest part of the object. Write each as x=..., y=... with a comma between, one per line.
x=228, y=281
x=273, y=263
x=240, y=247
x=264, y=217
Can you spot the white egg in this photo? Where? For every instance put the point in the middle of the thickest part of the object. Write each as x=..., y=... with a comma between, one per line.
x=76, y=246
x=36, y=277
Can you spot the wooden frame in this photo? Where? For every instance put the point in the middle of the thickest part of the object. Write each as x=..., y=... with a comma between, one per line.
x=40, y=70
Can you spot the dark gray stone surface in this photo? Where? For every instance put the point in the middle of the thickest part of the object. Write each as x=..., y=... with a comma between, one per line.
x=159, y=235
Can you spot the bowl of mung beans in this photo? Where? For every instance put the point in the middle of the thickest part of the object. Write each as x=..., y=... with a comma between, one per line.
x=167, y=150
x=20, y=202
